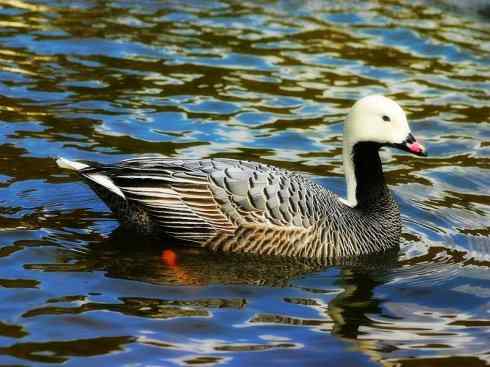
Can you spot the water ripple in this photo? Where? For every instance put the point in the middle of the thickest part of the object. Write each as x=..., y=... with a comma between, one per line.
x=265, y=81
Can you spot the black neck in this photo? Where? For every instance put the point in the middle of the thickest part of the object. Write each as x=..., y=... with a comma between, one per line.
x=370, y=182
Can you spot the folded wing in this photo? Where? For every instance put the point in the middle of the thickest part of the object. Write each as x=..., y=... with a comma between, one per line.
x=194, y=200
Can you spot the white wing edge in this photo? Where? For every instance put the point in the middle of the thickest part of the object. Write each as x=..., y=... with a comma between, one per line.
x=98, y=178
x=74, y=166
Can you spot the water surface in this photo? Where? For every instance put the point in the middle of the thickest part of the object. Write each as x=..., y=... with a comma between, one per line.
x=256, y=80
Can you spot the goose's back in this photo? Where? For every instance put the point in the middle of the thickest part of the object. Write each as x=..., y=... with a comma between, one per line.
x=215, y=201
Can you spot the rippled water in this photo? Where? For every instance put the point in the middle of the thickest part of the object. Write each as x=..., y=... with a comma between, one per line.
x=256, y=80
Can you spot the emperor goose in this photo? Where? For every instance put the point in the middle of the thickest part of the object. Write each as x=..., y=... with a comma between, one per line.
x=234, y=205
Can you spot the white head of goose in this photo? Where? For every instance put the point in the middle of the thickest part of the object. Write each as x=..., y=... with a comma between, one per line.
x=233, y=205
x=373, y=122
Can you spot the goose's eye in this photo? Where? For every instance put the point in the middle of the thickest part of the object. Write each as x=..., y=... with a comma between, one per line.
x=386, y=118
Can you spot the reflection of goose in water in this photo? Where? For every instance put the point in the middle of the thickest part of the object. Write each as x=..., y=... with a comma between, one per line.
x=251, y=207
x=368, y=302
x=419, y=304
x=120, y=258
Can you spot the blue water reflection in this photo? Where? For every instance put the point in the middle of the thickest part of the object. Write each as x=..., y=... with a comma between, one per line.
x=264, y=81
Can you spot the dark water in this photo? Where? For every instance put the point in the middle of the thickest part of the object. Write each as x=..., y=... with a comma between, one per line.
x=268, y=81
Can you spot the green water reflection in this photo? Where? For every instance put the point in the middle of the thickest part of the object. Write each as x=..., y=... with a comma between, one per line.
x=268, y=81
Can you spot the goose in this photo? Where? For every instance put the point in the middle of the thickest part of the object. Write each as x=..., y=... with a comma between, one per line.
x=242, y=206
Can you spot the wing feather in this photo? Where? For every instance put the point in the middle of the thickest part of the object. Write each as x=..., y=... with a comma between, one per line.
x=179, y=200
x=197, y=199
